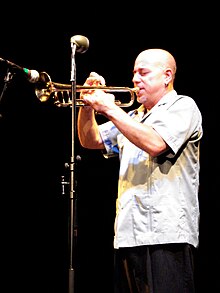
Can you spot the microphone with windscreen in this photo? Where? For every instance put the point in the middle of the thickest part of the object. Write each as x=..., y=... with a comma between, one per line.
x=81, y=43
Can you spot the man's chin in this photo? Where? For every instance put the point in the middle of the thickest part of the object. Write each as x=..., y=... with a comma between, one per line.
x=141, y=99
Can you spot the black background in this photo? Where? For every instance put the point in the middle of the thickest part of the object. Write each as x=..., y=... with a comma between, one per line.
x=36, y=138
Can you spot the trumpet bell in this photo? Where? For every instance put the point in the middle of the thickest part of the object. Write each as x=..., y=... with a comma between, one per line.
x=43, y=87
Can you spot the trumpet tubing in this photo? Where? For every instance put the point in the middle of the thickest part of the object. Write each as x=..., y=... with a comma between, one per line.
x=61, y=93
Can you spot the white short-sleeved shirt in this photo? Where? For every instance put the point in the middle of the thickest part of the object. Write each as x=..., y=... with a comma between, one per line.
x=157, y=199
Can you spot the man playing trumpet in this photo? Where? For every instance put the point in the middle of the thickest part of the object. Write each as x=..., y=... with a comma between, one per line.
x=158, y=144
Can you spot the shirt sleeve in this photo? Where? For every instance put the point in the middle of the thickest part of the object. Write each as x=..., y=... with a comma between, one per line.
x=180, y=122
x=109, y=134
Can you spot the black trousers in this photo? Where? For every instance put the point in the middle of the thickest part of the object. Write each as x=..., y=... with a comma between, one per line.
x=167, y=268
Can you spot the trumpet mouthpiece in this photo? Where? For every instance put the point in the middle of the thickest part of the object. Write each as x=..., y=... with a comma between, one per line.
x=136, y=89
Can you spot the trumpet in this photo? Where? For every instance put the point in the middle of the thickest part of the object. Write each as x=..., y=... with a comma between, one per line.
x=61, y=93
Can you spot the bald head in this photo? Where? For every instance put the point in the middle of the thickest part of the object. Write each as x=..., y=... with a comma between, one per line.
x=157, y=57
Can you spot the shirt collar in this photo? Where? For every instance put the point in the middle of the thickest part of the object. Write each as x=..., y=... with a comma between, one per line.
x=169, y=97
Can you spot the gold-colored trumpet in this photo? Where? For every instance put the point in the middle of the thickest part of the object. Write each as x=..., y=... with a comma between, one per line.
x=61, y=93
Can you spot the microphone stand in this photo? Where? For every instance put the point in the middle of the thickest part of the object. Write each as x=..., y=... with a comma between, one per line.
x=72, y=226
x=78, y=44
x=7, y=79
